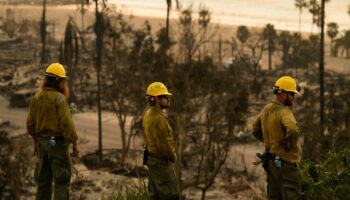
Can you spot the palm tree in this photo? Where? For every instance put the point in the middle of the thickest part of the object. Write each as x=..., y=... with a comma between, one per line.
x=332, y=32
x=343, y=43
x=315, y=10
x=285, y=40
x=269, y=34
x=300, y=4
x=243, y=35
x=169, y=5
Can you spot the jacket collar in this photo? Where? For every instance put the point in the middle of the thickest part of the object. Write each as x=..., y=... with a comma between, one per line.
x=275, y=101
x=49, y=88
x=154, y=109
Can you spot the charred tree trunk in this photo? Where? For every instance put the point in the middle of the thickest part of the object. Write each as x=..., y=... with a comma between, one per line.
x=270, y=54
x=71, y=54
x=167, y=18
x=99, y=32
x=43, y=34
x=321, y=68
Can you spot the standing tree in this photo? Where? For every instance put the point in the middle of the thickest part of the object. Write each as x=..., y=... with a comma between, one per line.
x=126, y=74
x=332, y=32
x=100, y=27
x=187, y=36
x=82, y=11
x=164, y=43
x=315, y=10
x=285, y=41
x=9, y=23
x=257, y=47
x=242, y=35
x=193, y=35
x=71, y=54
x=203, y=22
x=43, y=34
x=269, y=34
x=300, y=4
x=305, y=47
x=343, y=43
x=208, y=113
x=169, y=6
x=321, y=70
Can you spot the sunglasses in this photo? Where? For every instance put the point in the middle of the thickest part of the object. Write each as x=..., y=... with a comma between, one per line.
x=291, y=94
x=163, y=97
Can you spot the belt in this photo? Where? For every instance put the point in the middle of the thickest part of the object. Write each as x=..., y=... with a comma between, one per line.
x=273, y=157
x=158, y=157
x=42, y=138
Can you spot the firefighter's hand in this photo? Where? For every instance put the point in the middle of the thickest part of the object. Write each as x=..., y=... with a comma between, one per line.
x=35, y=140
x=260, y=158
x=75, y=149
x=260, y=155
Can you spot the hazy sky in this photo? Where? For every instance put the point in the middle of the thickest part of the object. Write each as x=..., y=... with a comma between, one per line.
x=281, y=13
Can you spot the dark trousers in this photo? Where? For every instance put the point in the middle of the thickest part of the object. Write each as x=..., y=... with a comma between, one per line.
x=162, y=182
x=283, y=183
x=53, y=171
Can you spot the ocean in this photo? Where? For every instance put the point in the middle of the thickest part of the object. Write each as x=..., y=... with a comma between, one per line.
x=281, y=13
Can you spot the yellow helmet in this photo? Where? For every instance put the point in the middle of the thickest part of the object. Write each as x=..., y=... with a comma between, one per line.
x=56, y=69
x=157, y=89
x=286, y=83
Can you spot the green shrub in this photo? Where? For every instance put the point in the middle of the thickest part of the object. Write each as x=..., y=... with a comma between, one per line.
x=330, y=179
x=134, y=192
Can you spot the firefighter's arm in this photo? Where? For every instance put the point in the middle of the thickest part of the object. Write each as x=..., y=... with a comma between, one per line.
x=31, y=121
x=257, y=130
x=165, y=141
x=65, y=120
x=291, y=128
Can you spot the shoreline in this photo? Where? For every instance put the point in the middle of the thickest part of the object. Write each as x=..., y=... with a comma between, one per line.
x=22, y=11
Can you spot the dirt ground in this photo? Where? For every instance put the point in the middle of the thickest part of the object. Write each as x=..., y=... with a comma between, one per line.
x=92, y=184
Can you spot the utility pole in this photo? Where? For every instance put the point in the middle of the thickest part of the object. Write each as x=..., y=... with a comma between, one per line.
x=321, y=68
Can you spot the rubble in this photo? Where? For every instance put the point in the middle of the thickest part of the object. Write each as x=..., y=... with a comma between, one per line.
x=21, y=98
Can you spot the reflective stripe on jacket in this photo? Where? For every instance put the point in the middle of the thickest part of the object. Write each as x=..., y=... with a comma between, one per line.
x=277, y=128
x=49, y=115
x=158, y=134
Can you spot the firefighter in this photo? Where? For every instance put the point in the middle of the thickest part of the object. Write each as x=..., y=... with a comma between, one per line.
x=277, y=127
x=50, y=124
x=160, y=148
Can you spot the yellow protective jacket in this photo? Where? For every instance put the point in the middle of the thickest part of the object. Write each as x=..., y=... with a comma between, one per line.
x=49, y=115
x=158, y=135
x=277, y=128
